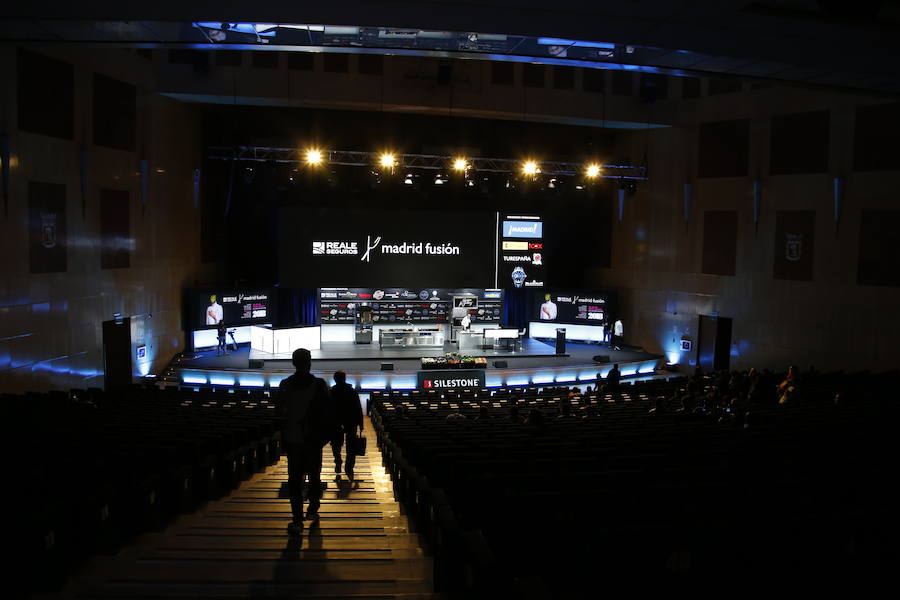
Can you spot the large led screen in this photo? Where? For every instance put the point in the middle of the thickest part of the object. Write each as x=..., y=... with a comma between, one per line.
x=520, y=253
x=206, y=307
x=332, y=247
x=589, y=308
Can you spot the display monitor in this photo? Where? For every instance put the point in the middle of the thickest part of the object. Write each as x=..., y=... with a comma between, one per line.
x=208, y=306
x=520, y=251
x=589, y=308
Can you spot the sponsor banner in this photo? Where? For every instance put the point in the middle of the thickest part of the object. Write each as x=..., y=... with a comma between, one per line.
x=516, y=246
x=521, y=263
x=523, y=229
x=404, y=305
x=382, y=247
x=451, y=379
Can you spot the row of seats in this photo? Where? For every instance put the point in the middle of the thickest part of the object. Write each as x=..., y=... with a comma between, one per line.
x=101, y=467
x=630, y=489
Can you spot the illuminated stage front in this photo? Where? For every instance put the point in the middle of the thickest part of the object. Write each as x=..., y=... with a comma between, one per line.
x=534, y=363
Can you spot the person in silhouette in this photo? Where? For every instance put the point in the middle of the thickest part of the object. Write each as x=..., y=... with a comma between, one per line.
x=349, y=419
x=220, y=333
x=613, y=379
x=304, y=406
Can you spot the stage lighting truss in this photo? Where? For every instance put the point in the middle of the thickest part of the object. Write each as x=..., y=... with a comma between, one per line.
x=428, y=162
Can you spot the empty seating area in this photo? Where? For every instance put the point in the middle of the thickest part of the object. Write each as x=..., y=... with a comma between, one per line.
x=633, y=485
x=101, y=467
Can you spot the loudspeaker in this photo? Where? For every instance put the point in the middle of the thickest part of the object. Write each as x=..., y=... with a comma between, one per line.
x=387, y=366
x=601, y=358
x=500, y=364
x=255, y=364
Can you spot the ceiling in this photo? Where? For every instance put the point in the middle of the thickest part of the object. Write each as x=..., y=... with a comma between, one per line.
x=822, y=43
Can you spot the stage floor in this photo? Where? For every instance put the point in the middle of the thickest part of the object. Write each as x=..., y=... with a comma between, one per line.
x=536, y=363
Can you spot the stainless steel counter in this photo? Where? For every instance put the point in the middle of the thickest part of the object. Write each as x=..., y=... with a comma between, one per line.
x=411, y=338
x=470, y=340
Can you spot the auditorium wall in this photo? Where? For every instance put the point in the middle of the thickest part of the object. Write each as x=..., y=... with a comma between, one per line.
x=90, y=230
x=806, y=298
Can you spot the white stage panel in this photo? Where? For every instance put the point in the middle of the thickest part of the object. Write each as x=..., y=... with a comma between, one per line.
x=498, y=333
x=209, y=338
x=288, y=340
x=581, y=333
x=262, y=339
x=338, y=333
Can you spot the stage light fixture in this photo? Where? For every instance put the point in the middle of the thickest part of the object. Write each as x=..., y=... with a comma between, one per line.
x=530, y=168
x=388, y=161
x=460, y=164
x=313, y=157
x=593, y=171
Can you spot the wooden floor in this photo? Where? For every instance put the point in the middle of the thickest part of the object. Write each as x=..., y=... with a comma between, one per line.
x=238, y=546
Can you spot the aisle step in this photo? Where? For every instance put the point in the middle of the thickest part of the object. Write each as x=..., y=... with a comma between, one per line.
x=361, y=547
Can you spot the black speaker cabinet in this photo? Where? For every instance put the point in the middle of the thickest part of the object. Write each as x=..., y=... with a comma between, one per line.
x=387, y=366
x=500, y=364
x=601, y=358
x=255, y=364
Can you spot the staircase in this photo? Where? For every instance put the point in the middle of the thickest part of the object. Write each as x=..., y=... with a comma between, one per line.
x=238, y=546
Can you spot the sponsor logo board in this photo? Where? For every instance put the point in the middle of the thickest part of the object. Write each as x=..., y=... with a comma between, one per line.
x=451, y=379
x=523, y=229
x=515, y=246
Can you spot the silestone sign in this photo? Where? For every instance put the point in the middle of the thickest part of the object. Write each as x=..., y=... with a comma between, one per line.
x=451, y=379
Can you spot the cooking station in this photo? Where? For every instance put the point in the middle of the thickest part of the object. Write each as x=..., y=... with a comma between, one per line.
x=411, y=337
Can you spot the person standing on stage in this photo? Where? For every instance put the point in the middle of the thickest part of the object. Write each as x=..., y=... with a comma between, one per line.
x=304, y=406
x=221, y=330
x=349, y=417
x=618, y=332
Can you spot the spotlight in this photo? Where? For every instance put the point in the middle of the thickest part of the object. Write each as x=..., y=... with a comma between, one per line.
x=313, y=157
x=530, y=168
x=388, y=161
x=460, y=164
x=408, y=180
x=593, y=171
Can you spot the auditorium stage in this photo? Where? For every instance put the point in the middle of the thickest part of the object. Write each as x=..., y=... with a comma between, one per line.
x=535, y=364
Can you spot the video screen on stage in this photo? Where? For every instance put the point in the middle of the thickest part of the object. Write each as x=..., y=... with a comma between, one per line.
x=588, y=308
x=408, y=305
x=520, y=251
x=334, y=247
x=208, y=306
